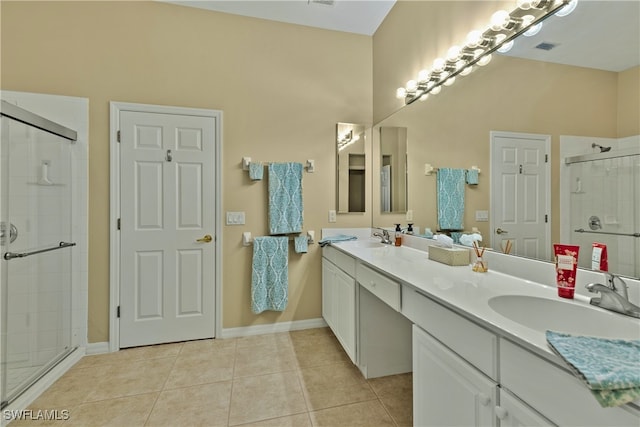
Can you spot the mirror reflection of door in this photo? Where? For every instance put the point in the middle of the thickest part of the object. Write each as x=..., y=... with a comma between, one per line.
x=351, y=170
x=393, y=169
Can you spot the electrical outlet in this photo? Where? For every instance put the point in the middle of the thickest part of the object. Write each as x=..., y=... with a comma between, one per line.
x=332, y=216
x=409, y=215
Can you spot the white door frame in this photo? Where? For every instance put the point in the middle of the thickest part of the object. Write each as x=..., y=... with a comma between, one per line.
x=114, y=210
x=547, y=141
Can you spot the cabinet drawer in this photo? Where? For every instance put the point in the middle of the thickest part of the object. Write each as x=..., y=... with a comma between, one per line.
x=473, y=343
x=381, y=286
x=555, y=393
x=342, y=260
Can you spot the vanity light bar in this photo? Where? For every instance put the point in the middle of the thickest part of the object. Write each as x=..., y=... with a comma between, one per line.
x=499, y=36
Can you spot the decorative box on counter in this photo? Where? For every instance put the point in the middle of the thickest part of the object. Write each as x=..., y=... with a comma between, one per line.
x=449, y=256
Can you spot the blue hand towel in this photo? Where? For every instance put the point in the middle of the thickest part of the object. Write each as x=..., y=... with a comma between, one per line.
x=472, y=176
x=256, y=170
x=285, y=198
x=450, y=195
x=270, y=274
x=609, y=367
x=301, y=244
x=337, y=238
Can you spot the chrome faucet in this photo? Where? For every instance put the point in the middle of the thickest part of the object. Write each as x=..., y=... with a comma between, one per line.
x=384, y=236
x=612, y=297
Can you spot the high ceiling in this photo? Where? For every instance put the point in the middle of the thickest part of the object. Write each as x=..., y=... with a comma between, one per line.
x=598, y=34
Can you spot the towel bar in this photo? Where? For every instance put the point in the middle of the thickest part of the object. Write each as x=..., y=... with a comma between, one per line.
x=429, y=169
x=247, y=238
x=310, y=164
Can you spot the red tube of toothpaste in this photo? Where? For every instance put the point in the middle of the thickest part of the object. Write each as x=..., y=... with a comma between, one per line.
x=566, y=267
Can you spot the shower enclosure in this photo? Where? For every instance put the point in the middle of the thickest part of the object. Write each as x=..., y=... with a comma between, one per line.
x=604, y=194
x=36, y=248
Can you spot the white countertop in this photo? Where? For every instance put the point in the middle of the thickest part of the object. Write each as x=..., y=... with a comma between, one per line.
x=468, y=293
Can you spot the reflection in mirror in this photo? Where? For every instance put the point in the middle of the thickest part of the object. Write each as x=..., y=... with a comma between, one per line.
x=350, y=168
x=575, y=95
x=393, y=169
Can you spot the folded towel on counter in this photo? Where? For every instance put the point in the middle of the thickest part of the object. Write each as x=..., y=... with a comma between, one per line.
x=285, y=198
x=337, y=238
x=270, y=274
x=256, y=170
x=472, y=176
x=301, y=244
x=450, y=196
x=610, y=368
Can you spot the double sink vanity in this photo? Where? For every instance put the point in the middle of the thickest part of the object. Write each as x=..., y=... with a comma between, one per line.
x=475, y=342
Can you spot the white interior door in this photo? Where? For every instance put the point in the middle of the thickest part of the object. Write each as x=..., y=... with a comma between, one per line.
x=167, y=226
x=520, y=193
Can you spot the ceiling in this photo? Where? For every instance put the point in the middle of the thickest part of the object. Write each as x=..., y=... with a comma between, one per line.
x=352, y=16
x=590, y=36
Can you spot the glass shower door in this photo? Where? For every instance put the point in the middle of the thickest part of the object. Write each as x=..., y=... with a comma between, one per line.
x=35, y=210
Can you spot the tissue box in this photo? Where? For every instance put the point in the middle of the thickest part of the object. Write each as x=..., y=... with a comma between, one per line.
x=449, y=256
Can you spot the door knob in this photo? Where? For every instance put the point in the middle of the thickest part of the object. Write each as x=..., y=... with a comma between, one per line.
x=501, y=231
x=206, y=239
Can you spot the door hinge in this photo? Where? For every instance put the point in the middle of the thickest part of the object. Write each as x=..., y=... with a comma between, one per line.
x=546, y=218
x=118, y=312
x=118, y=136
x=118, y=223
x=546, y=158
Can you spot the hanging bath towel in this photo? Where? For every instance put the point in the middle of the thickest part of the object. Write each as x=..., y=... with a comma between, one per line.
x=285, y=198
x=450, y=195
x=270, y=274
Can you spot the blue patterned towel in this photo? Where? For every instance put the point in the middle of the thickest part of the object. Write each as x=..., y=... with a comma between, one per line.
x=285, y=198
x=256, y=170
x=301, y=244
x=450, y=195
x=472, y=176
x=609, y=367
x=337, y=238
x=270, y=274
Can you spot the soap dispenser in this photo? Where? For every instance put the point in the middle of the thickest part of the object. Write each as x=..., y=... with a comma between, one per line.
x=398, y=241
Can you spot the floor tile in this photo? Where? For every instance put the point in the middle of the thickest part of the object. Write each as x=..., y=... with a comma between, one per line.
x=333, y=385
x=127, y=411
x=300, y=420
x=201, y=368
x=201, y=405
x=366, y=414
x=266, y=396
x=264, y=360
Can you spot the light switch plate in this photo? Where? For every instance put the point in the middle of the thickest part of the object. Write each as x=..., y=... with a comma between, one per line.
x=482, y=216
x=332, y=216
x=235, y=218
x=409, y=215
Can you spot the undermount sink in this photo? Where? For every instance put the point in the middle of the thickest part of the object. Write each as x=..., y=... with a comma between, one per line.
x=369, y=244
x=565, y=316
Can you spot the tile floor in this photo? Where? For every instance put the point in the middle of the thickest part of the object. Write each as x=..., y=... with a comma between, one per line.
x=301, y=378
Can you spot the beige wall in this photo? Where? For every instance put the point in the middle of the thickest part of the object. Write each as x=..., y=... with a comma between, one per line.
x=629, y=102
x=278, y=85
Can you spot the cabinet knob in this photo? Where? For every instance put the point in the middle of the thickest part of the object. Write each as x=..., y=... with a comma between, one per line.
x=501, y=412
x=484, y=399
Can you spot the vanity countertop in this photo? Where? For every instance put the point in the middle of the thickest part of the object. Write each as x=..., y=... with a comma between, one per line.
x=469, y=293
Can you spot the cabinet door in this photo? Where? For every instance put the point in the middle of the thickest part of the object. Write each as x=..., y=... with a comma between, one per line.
x=345, y=312
x=514, y=413
x=446, y=389
x=328, y=292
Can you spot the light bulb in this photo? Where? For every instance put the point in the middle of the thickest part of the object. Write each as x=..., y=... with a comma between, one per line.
x=499, y=20
x=401, y=93
x=461, y=64
x=436, y=90
x=453, y=54
x=466, y=71
x=474, y=38
x=532, y=31
x=450, y=81
x=524, y=4
x=567, y=9
x=438, y=65
x=484, y=60
x=506, y=47
x=424, y=97
x=423, y=75
x=412, y=85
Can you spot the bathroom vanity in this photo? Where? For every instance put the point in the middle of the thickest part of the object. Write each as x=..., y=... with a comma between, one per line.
x=474, y=360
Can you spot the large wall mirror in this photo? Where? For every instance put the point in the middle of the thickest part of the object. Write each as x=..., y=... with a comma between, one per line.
x=393, y=169
x=351, y=168
x=575, y=85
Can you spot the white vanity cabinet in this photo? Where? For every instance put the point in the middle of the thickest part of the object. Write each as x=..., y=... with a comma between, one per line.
x=339, y=298
x=446, y=389
x=513, y=413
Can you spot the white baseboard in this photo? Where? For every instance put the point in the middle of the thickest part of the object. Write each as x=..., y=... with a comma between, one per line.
x=98, y=347
x=33, y=392
x=271, y=328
